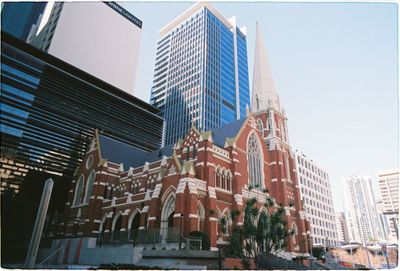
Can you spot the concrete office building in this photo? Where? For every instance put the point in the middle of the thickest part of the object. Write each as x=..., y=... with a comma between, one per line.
x=360, y=209
x=201, y=73
x=101, y=38
x=389, y=188
x=343, y=236
x=21, y=18
x=317, y=199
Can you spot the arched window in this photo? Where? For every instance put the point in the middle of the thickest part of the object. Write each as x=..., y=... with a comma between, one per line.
x=229, y=181
x=294, y=232
x=89, y=186
x=281, y=131
x=255, y=166
x=287, y=166
x=200, y=216
x=258, y=103
x=223, y=183
x=78, y=191
x=260, y=125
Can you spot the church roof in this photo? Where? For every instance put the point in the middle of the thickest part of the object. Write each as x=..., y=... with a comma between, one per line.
x=227, y=131
x=118, y=152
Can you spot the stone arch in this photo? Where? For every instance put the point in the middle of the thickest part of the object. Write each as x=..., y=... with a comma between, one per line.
x=79, y=190
x=115, y=220
x=255, y=161
x=102, y=224
x=168, y=191
x=134, y=224
x=116, y=226
x=89, y=186
x=167, y=215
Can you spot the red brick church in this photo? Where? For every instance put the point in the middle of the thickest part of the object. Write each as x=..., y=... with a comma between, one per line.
x=120, y=190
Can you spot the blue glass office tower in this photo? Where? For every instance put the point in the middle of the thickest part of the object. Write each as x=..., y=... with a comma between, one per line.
x=17, y=18
x=201, y=72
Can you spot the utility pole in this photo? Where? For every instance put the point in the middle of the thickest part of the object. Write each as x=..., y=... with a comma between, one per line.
x=39, y=223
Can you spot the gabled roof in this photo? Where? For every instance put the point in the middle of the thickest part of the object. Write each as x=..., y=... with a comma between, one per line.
x=118, y=152
x=227, y=131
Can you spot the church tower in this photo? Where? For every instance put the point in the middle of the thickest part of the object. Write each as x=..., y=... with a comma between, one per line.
x=272, y=123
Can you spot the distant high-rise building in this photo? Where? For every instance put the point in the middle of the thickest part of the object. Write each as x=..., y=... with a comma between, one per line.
x=389, y=188
x=316, y=194
x=341, y=227
x=201, y=72
x=383, y=220
x=100, y=38
x=21, y=18
x=360, y=210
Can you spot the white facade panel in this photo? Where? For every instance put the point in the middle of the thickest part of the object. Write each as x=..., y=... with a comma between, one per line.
x=97, y=39
x=317, y=200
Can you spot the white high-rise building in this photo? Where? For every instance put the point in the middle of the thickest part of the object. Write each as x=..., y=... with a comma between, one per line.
x=389, y=188
x=341, y=227
x=360, y=210
x=101, y=38
x=317, y=200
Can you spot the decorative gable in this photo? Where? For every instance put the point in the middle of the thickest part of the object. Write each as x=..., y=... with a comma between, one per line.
x=192, y=138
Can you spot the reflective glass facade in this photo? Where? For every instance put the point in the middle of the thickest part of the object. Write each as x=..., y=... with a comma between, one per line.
x=201, y=75
x=17, y=18
x=50, y=109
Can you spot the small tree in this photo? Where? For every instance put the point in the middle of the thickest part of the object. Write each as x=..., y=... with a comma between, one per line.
x=261, y=231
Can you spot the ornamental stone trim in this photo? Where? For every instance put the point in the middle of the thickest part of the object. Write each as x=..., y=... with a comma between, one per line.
x=238, y=199
x=157, y=190
x=211, y=192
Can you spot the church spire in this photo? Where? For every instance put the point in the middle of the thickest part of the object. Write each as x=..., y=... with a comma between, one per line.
x=264, y=94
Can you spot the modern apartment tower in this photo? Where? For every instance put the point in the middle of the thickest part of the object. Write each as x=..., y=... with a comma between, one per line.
x=389, y=188
x=341, y=225
x=317, y=200
x=201, y=72
x=100, y=38
x=360, y=209
x=21, y=18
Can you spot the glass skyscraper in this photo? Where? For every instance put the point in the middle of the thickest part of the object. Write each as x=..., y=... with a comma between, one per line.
x=18, y=18
x=201, y=72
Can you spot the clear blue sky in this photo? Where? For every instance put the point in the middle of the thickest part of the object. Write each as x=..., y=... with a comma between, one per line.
x=335, y=68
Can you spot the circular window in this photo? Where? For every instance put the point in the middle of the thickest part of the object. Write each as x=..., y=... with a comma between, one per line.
x=89, y=162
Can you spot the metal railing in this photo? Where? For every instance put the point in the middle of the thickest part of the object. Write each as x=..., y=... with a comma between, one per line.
x=142, y=236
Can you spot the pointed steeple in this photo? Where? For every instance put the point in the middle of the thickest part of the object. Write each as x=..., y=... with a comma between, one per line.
x=264, y=94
